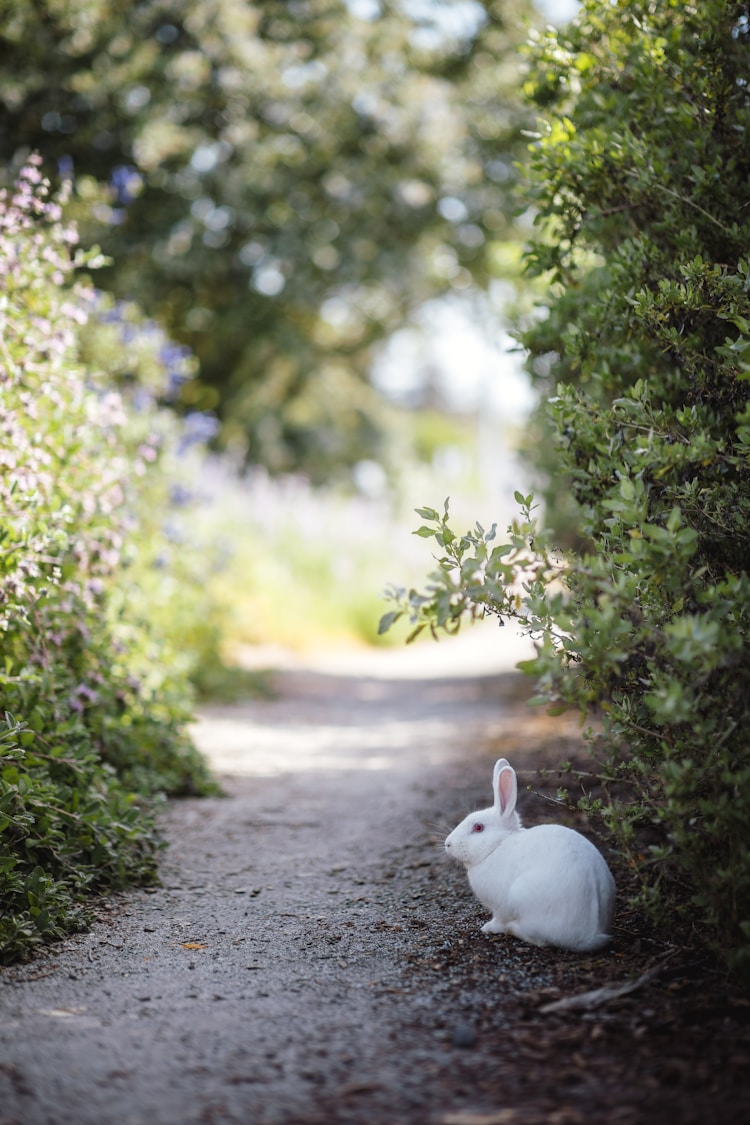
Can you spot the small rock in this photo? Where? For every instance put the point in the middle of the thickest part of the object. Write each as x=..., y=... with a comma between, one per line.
x=464, y=1036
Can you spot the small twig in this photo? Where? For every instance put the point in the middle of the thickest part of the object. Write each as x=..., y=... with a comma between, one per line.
x=598, y=997
x=691, y=203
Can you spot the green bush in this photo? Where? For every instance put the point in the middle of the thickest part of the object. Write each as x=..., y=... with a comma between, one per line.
x=94, y=704
x=639, y=176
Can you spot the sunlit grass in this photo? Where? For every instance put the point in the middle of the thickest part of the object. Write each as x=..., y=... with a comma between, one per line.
x=306, y=568
x=302, y=568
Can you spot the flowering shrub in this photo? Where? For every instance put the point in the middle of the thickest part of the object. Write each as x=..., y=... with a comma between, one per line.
x=165, y=584
x=94, y=704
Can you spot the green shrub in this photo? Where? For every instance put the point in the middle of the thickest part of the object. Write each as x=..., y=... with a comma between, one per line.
x=639, y=177
x=94, y=704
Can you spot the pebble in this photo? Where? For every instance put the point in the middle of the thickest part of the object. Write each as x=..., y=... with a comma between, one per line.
x=464, y=1036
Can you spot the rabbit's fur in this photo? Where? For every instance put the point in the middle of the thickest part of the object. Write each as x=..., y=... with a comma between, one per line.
x=547, y=885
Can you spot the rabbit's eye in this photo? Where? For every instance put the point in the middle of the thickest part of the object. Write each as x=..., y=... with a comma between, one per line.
x=477, y=827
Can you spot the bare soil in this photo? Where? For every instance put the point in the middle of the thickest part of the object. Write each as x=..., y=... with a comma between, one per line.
x=313, y=957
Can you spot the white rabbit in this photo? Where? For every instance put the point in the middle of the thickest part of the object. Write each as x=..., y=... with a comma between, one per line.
x=547, y=885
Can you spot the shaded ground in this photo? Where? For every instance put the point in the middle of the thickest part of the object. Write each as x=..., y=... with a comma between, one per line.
x=313, y=957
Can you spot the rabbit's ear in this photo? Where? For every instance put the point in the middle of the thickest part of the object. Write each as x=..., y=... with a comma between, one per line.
x=500, y=764
x=505, y=788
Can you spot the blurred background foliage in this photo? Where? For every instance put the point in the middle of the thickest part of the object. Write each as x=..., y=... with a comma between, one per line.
x=280, y=185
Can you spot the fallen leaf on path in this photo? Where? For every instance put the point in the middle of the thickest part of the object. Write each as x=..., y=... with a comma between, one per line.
x=193, y=945
x=467, y=1117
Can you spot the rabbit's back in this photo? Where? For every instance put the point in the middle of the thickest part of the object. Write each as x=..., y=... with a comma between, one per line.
x=548, y=885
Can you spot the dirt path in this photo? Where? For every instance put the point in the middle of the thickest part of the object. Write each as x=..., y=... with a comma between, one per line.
x=312, y=957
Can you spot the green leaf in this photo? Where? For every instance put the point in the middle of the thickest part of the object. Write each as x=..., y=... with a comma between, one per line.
x=388, y=619
x=627, y=489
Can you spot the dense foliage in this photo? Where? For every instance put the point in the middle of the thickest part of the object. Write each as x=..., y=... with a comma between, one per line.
x=280, y=183
x=640, y=180
x=94, y=698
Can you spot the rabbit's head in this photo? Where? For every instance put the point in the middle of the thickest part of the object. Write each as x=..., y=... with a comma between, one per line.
x=481, y=832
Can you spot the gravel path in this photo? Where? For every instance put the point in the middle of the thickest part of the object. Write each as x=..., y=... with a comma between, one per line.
x=312, y=957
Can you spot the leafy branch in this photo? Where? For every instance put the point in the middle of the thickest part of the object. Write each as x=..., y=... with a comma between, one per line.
x=518, y=579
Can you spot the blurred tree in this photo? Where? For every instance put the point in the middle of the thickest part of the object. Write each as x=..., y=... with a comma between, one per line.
x=280, y=184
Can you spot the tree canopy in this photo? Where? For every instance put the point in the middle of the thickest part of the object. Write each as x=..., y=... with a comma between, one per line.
x=279, y=184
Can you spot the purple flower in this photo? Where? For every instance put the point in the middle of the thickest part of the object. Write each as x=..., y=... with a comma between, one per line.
x=175, y=359
x=126, y=183
x=143, y=400
x=180, y=496
x=199, y=428
x=82, y=697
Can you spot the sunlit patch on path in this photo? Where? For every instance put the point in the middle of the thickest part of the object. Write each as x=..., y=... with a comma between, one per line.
x=363, y=710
